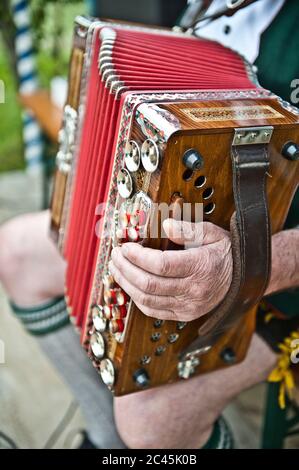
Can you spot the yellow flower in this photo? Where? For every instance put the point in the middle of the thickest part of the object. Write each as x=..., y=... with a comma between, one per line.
x=282, y=373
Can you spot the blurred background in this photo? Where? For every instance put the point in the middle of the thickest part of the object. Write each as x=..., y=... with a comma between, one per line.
x=33, y=70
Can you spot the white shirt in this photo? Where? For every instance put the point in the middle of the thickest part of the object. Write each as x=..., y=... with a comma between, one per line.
x=245, y=27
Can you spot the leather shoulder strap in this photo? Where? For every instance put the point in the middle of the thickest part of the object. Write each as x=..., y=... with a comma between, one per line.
x=251, y=242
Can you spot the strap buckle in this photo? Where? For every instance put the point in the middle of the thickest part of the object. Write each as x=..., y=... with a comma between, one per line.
x=252, y=135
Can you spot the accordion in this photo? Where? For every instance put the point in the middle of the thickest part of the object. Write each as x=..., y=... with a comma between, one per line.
x=157, y=116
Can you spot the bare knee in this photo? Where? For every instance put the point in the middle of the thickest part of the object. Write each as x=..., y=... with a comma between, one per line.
x=24, y=241
x=16, y=239
x=180, y=415
x=135, y=420
x=163, y=417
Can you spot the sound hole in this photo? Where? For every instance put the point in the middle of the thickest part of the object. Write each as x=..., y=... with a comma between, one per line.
x=160, y=350
x=173, y=338
x=158, y=323
x=180, y=325
x=187, y=175
x=145, y=360
x=200, y=181
x=207, y=193
x=209, y=208
x=156, y=336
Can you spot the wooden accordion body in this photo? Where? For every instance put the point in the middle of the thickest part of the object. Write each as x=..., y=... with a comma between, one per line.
x=147, y=98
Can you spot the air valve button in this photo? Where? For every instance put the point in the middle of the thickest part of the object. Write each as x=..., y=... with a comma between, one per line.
x=141, y=378
x=291, y=151
x=193, y=160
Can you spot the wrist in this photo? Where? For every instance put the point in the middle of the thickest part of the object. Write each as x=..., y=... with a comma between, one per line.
x=285, y=261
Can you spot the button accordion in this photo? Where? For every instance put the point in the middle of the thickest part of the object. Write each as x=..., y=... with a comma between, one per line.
x=156, y=116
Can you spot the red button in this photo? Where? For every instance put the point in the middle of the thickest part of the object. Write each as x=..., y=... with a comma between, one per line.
x=119, y=311
x=110, y=297
x=116, y=326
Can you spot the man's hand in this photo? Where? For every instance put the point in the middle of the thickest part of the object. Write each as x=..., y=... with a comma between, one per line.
x=177, y=285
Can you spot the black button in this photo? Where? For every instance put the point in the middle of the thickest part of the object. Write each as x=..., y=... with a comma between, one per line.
x=227, y=29
x=192, y=159
x=291, y=151
x=228, y=355
x=141, y=378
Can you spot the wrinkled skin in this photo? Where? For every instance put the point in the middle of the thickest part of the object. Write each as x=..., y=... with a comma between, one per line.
x=177, y=285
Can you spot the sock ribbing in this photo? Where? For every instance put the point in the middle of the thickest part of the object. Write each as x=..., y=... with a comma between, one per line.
x=44, y=318
x=221, y=437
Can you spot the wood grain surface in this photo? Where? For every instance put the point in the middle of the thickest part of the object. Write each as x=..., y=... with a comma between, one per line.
x=214, y=144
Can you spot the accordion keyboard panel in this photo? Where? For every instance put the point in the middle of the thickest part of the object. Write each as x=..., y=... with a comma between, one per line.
x=150, y=351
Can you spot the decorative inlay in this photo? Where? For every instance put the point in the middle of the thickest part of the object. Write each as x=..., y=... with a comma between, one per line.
x=228, y=113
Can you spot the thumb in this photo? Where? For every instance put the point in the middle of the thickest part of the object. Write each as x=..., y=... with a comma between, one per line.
x=193, y=234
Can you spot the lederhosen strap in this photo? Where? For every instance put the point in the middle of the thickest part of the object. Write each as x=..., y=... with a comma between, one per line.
x=251, y=242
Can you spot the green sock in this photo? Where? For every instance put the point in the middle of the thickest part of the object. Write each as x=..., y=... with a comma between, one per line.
x=44, y=318
x=221, y=437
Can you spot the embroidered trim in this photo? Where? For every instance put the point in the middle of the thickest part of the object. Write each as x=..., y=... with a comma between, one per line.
x=228, y=113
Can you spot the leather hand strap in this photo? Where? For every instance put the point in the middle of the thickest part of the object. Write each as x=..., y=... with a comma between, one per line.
x=251, y=242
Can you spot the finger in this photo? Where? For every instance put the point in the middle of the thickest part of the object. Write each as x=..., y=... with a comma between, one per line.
x=146, y=282
x=146, y=300
x=184, y=233
x=193, y=234
x=162, y=263
x=158, y=314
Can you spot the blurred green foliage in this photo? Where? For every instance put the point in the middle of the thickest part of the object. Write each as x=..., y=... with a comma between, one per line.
x=10, y=120
x=52, y=29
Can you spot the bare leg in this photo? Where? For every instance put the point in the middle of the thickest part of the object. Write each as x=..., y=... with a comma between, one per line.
x=31, y=269
x=182, y=415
